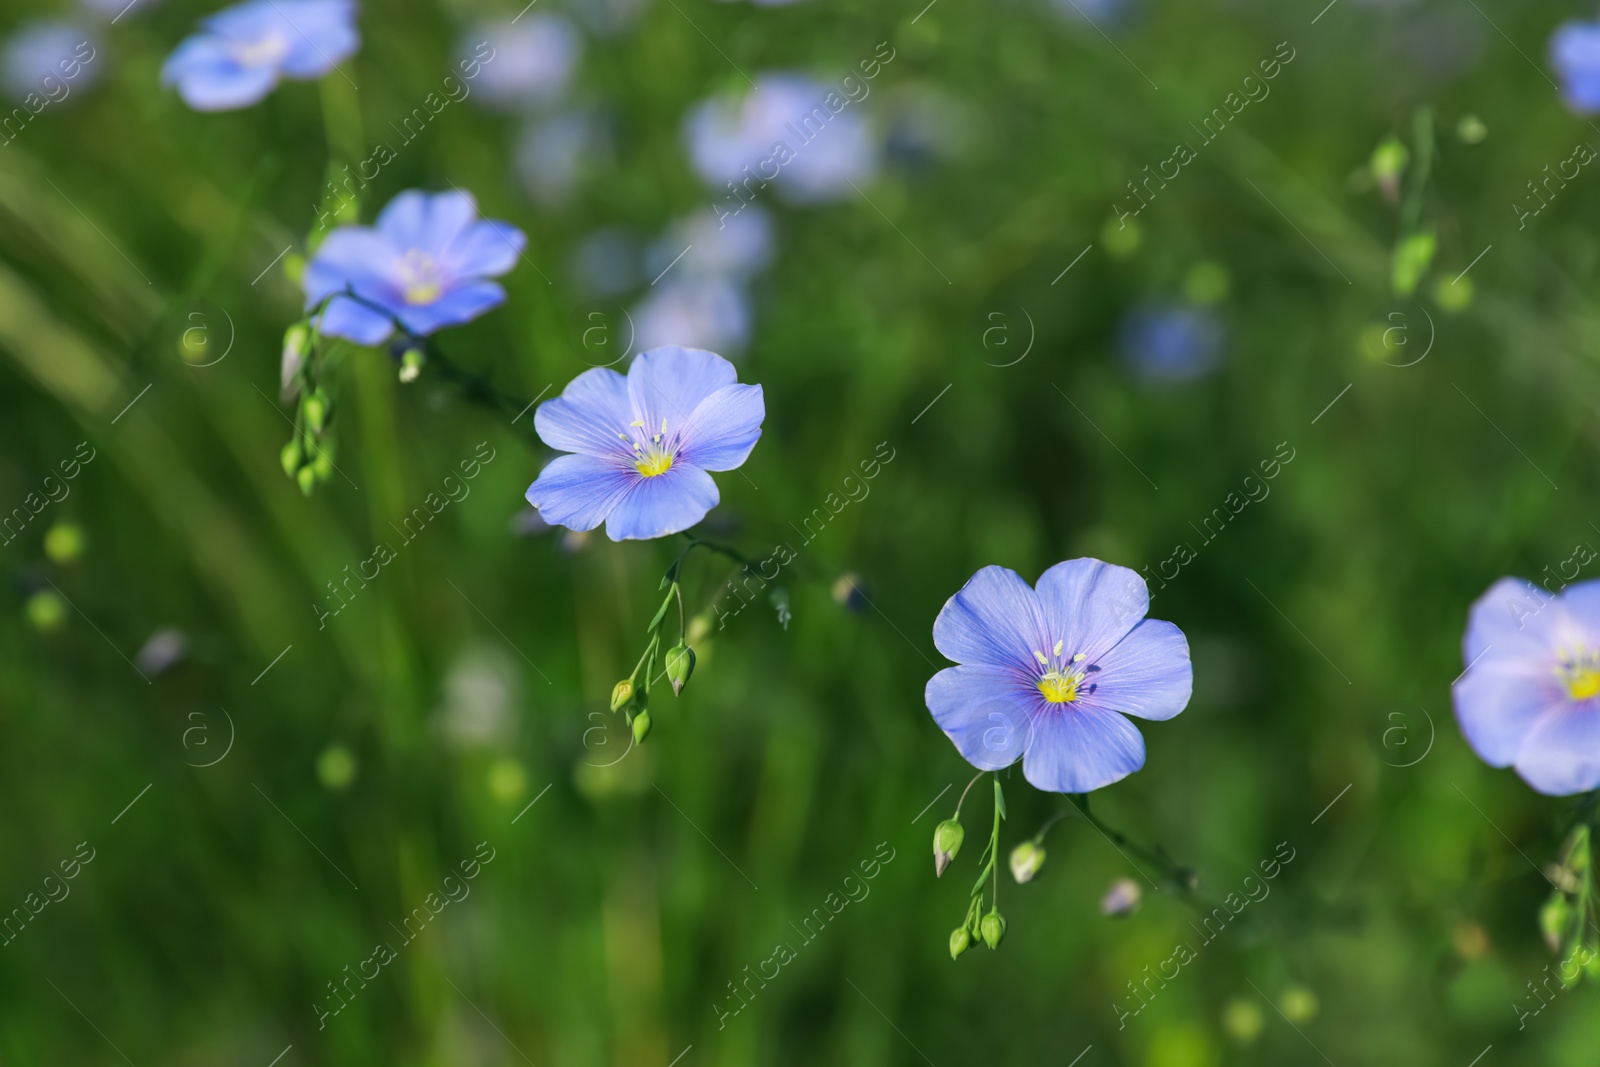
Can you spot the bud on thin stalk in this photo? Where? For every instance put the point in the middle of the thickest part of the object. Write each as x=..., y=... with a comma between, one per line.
x=947, y=837
x=680, y=665
x=621, y=694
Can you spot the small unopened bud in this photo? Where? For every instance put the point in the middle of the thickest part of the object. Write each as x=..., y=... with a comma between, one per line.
x=848, y=595
x=1388, y=164
x=680, y=665
x=1121, y=899
x=290, y=457
x=296, y=342
x=1026, y=859
x=411, y=361
x=947, y=838
x=1554, y=918
x=307, y=479
x=316, y=409
x=641, y=727
x=621, y=694
x=993, y=928
x=960, y=941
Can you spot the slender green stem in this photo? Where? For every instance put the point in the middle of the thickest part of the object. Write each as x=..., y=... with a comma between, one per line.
x=964, y=793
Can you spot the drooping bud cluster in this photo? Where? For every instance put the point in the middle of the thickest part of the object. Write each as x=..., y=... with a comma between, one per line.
x=308, y=457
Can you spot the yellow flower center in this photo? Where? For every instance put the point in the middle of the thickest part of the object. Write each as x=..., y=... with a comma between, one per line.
x=422, y=283
x=652, y=456
x=1580, y=673
x=1060, y=688
x=653, y=464
x=1059, y=684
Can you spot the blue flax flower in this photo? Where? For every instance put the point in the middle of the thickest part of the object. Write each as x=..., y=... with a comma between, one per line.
x=643, y=443
x=426, y=264
x=1530, y=696
x=1048, y=675
x=240, y=52
x=1575, y=53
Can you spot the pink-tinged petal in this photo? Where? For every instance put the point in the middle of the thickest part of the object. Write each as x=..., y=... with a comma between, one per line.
x=484, y=250
x=668, y=383
x=666, y=504
x=1089, y=605
x=454, y=307
x=1147, y=674
x=1500, y=699
x=589, y=416
x=986, y=712
x=995, y=619
x=579, y=492
x=723, y=429
x=1510, y=620
x=345, y=318
x=428, y=222
x=1080, y=749
x=1562, y=753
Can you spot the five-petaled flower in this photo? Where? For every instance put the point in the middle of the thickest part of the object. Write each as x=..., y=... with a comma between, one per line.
x=240, y=52
x=1048, y=675
x=425, y=265
x=643, y=443
x=1530, y=696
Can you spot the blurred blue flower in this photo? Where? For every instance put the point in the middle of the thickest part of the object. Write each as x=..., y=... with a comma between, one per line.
x=784, y=131
x=1165, y=345
x=1095, y=12
x=553, y=154
x=1575, y=53
x=1530, y=696
x=534, y=59
x=642, y=444
x=41, y=57
x=425, y=264
x=606, y=262
x=240, y=52
x=738, y=246
x=696, y=312
x=1048, y=675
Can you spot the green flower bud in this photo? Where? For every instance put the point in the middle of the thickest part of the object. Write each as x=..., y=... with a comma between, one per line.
x=296, y=343
x=290, y=457
x=1554, y=918
x=307, y=479
x=322, y=465
x=641, y=727
x=946, y=843
x=680, y=665
x=316, y=409
x=1026, y=859
x=1299, y=1004
x=1389, y=159
x=64, y=542
x=1471, y=130
x=621, y=694
x=993, y=928
x=960, y=941
x=411, y=362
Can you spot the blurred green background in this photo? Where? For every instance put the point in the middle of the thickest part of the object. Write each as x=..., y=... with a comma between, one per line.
x=370, y=757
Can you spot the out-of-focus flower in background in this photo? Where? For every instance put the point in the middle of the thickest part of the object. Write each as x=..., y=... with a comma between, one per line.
x=1167, y=345
x=606, y=262
x=426, y=263
x=783, y=133
x=534, y=59
x=116, y=10
x=1575, y=53
x=1103, y=13
x=710, y=312
x=478, y=705
x=42, y=56
x=554, y=152
x=737, y=247
x=241, y=52
x=161, y=651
